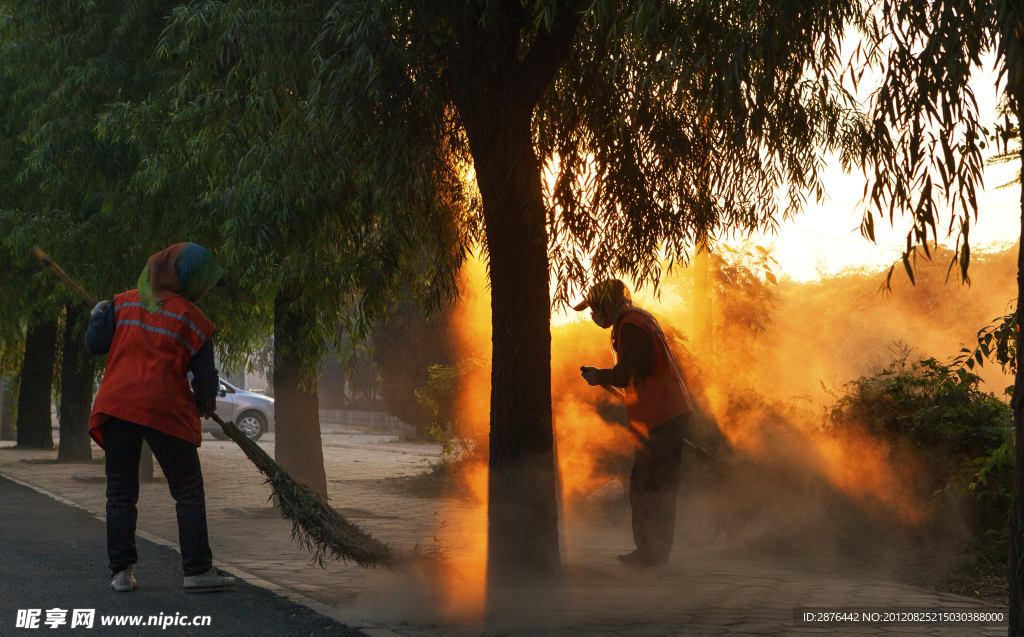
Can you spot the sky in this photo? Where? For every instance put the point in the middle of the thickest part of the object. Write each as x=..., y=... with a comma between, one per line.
x=800, y=248
x=829, y=234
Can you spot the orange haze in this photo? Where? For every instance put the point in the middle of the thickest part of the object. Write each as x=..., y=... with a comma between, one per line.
x=764, y=392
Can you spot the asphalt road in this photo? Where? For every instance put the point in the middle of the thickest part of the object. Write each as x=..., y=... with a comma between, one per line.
x=54, y=557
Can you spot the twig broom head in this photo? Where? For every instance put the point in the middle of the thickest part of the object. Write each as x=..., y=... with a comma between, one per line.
x=315, y=525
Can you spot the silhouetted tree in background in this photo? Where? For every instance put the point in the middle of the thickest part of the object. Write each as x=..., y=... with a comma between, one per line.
x=403, y=349
x=34, y=424
x=76, y=387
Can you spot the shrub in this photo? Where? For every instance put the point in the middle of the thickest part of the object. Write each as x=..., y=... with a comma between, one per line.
x=439, y=400
x=964, y=434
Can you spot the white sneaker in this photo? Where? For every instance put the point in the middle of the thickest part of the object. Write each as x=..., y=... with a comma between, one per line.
x=124, y=581
x=208, y=582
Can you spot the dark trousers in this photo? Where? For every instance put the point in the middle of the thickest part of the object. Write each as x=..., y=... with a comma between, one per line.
x=179, y=460
x=653, y=485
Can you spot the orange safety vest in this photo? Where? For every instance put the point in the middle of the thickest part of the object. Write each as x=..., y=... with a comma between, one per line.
x=146, y=378
x=662, y=395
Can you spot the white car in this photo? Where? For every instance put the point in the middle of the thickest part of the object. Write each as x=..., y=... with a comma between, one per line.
x=252, y=412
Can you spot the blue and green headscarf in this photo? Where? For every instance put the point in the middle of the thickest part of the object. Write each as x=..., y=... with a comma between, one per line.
x=184, y=269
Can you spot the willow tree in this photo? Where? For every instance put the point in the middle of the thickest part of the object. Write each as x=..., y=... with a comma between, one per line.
x=70, y=61
x=316, y=246
x=28, y=313
x=100, y=204
x=924, y=152
x=69, y=190
x=660, y=123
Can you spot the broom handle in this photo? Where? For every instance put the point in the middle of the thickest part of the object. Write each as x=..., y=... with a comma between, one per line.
x=56, y=269
x=217, y=419
x=613, y=391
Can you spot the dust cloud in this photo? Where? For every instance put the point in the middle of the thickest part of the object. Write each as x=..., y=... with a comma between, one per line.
x=780, y=483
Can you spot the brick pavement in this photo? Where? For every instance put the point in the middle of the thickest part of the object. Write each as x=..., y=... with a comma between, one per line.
x=703, y=590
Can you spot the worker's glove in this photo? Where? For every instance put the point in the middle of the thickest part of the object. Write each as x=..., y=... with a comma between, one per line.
x=100, y=308
x=206, y=410
x=589, y=374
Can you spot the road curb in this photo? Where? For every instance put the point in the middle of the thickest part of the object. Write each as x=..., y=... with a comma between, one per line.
x=371, y=630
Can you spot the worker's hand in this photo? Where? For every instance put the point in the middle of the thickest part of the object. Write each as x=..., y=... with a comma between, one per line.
x=207, y=410
x=100, y=308
x=589, y=374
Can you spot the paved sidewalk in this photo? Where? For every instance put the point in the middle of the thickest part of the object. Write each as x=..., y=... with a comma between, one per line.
x=701, y=591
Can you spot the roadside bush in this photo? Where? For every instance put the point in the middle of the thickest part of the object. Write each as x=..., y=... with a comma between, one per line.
x=440, y=402
x=963, y=434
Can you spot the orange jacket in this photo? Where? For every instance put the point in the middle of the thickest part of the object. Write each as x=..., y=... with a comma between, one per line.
x=146, y=380
x=662, y=395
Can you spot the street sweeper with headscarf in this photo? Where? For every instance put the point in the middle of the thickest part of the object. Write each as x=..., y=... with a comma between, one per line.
x=155, y=337
x=658, y=410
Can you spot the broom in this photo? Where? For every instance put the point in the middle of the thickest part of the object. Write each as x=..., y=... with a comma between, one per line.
x=315, y=526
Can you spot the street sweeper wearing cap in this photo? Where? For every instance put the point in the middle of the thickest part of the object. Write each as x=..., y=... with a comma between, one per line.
x=155, y=338
x=657, y=408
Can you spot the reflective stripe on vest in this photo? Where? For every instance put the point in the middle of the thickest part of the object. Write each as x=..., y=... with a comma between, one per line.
x=182, y=329
x=180, y=317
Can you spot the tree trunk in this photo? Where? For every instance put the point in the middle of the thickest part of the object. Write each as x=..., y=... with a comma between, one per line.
x=522, y=509
x=6, y=410
x=297, y=447
x=1016, y=542
x=34, y=423
x=76, y=383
